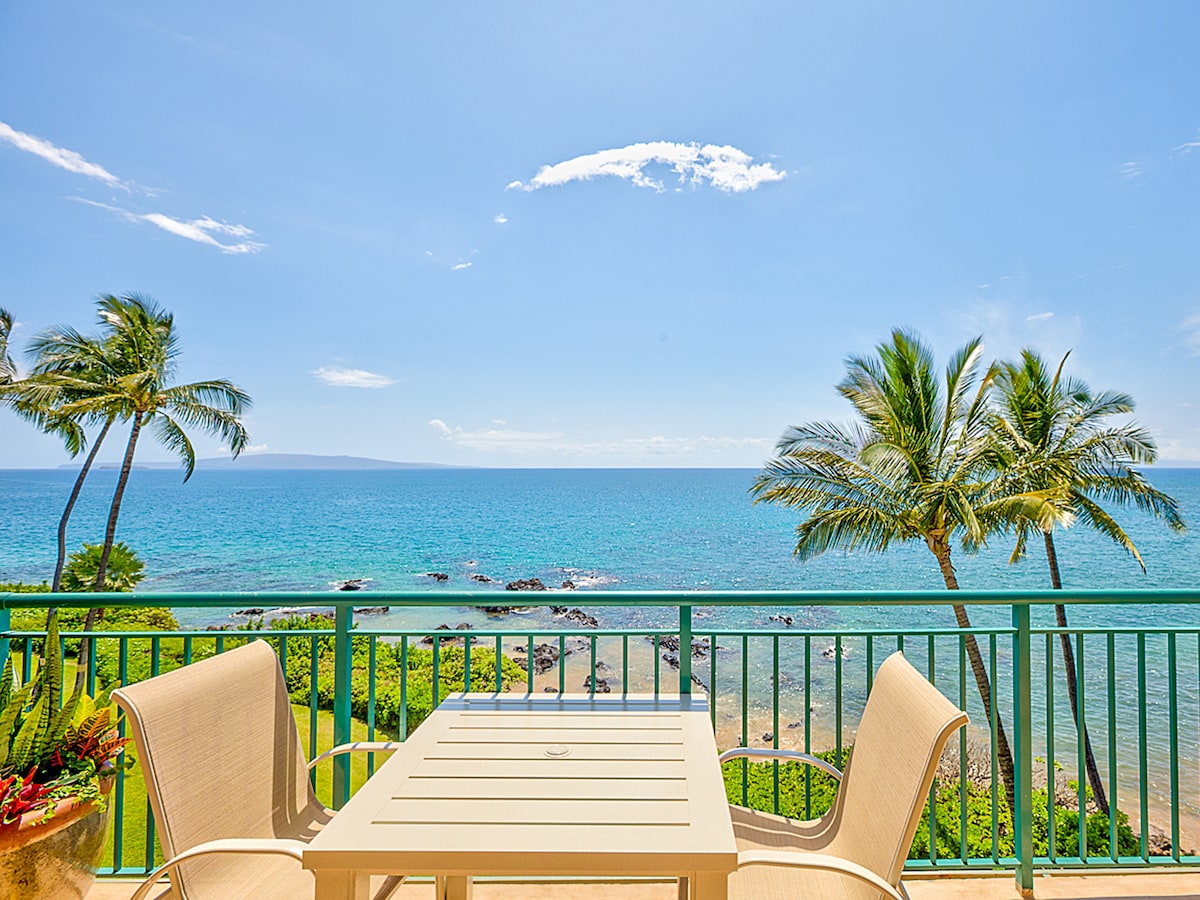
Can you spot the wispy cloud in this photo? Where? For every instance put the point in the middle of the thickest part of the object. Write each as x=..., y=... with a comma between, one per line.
x=1039, y=317
x=57, y=156
x=501, y=219
x=726, y=168
x=1130, y=171
x=256, y=448
x=458, y=267
x=1188, y=147
x=200, y=230
x=513, y=441
x=1191, y=333
x=336, y=376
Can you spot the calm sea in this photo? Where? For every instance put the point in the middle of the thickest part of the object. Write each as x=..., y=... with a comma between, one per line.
x=669, y=529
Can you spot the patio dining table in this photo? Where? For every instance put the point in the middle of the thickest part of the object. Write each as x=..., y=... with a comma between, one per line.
x=520, y=785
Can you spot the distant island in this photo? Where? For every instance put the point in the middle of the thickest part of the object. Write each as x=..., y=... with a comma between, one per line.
x=283, y=461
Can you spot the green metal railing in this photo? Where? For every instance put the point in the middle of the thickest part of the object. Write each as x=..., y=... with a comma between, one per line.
x=1139, y=695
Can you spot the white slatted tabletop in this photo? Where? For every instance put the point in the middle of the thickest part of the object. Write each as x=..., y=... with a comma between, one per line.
x=516, y=784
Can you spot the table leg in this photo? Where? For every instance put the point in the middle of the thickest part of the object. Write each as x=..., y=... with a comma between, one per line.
x=342, y=884
x=454, y=887
x=709, y=886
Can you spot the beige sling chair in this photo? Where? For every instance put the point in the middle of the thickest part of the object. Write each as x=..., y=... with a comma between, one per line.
x=218, y=747
x=856, y=851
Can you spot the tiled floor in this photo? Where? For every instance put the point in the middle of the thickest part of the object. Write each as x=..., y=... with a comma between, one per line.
x=1178, y=885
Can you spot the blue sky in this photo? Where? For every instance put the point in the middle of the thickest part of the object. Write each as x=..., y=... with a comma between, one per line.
x=547, y=234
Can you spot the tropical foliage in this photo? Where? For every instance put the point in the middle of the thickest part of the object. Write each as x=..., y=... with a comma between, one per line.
x=912, y=467
x=1052, y=438
x=51, y=749
x=125, y=569
x=808, y=793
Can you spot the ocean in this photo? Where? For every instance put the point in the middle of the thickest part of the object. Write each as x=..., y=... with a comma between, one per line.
x=626, y=529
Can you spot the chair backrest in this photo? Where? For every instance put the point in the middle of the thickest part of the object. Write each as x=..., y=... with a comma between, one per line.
x=904, y=729
x=218, y=748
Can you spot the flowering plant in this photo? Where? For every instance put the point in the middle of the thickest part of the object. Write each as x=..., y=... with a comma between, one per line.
x=51, y=750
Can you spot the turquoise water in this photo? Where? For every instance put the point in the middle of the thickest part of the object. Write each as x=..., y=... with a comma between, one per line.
x=675, y=529
x=651, y=529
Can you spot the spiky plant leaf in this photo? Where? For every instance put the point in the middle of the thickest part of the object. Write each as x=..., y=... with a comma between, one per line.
x=8, y=723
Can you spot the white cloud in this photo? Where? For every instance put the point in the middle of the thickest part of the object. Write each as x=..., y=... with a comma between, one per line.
x=726, y=168
x=57, y=156
x=200, y=230
x=1039, y=317
x=1188, y=147
x=501, y=219
x=1130, y=171
x=256, y=448
x=351, y=378
x=507, y=440
x=458, y=267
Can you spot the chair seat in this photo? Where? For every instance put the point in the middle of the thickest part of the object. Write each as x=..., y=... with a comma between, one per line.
x=754, y=830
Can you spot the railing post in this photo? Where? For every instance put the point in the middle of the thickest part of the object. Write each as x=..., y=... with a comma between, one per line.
x=343, y=667
x=5, y=625
x=685, y=650
x=1023, y=749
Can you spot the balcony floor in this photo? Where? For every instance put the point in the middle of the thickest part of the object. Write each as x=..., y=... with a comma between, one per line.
x=1126, y=886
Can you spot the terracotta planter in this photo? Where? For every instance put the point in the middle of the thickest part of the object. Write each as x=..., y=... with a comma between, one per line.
x=54, y=859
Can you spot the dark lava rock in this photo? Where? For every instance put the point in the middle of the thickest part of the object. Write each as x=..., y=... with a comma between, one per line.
x=795, y=725
x=768, y=737
x=501, y=610
x=789, y=621
x=352, y=584
x=525, y=584
x=601, y=685
x=461, y=626
x=545, y=658
x=558, y=610
x=371, y=610
x=568, y=585
x=579, y=617
x=437, y=576
x=482, y=579
x=669, y=644
x=251, y=611
x=549, y=690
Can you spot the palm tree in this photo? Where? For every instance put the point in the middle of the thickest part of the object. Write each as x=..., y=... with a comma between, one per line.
x=143, y=338
x=914, y=468
x=142, y=349
x=1051, y=439
x=75, y=372
x=8, y=368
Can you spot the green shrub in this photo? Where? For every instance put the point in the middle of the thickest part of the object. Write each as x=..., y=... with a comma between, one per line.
x=760, y=794
x=389, y=658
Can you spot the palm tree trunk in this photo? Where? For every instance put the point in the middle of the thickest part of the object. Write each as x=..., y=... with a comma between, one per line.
x=941, y=550
x=110, y=534
x=1068, y=652
x=56, y=584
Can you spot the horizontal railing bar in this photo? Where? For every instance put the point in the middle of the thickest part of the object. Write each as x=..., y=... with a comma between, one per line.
x=451, y=634
x=438, y=598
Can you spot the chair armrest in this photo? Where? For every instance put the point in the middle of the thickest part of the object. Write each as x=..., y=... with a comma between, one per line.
x=792, y=755
x=820, y=861
x=275, y=846
x=358, y=747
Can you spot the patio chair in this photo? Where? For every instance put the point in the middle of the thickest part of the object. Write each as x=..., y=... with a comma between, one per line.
x=227, y=781
x=856, y=851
